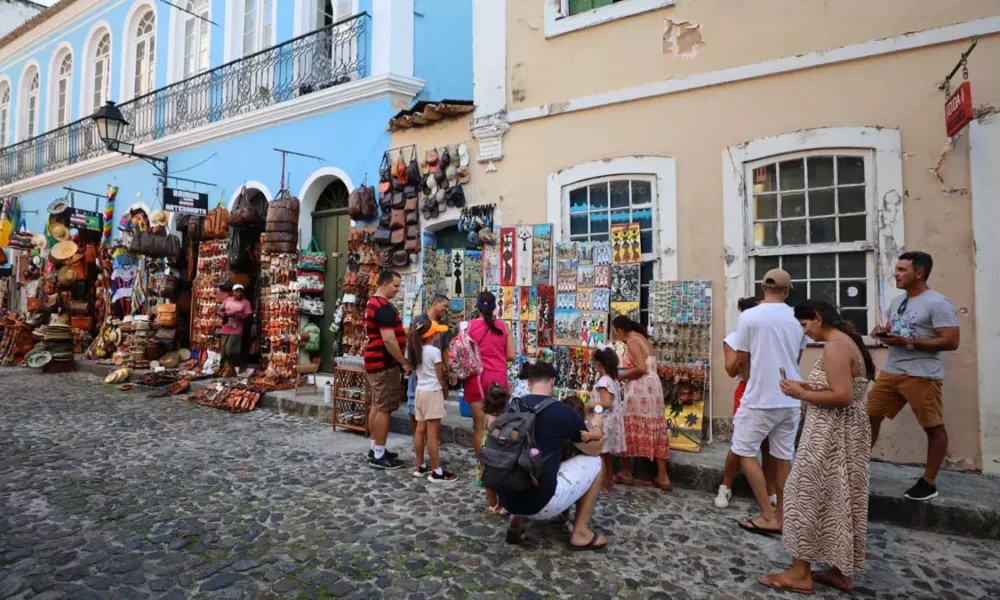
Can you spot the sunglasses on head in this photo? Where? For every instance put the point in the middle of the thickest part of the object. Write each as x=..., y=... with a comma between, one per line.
x=902, y=306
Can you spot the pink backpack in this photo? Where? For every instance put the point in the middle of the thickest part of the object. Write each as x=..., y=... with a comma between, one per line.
x=463, y=357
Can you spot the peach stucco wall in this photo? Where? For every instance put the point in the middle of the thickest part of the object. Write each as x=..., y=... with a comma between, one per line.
x=895, y=91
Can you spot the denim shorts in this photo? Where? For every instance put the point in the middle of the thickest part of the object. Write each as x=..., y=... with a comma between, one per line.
x=411, y=395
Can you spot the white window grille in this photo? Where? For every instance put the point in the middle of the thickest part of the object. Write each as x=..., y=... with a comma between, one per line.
x=144, y=74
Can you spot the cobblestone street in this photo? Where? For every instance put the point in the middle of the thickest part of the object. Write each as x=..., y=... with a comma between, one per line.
x=107, y=494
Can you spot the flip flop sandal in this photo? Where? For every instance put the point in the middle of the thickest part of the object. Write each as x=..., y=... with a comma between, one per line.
x=822, y=578
x=750, y=527
x=591, y=545
x=666, y=487
x=515, y=536
x=769, y=582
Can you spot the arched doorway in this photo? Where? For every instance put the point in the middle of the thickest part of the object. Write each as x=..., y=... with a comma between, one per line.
x=330, y=228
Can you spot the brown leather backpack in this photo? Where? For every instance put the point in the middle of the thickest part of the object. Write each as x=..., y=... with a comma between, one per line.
x=361, y=204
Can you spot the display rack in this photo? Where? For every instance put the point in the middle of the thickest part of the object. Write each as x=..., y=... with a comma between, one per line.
x=351, y=399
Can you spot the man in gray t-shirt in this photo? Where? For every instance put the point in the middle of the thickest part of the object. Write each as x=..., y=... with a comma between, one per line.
x=919, y=326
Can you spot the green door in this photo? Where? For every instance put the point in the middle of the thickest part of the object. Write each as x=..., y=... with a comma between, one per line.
x=331, y=226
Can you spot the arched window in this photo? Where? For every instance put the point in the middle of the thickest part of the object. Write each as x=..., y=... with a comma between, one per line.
x=258, y=25
x=27, y=121
x=196, y=38
x=4, y=113
x=102, y=71
x=144, y=71
x=61, y=99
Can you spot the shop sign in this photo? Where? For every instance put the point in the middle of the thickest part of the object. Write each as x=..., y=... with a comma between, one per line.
x=958, y=109
x=85, y=219
x=185, y=202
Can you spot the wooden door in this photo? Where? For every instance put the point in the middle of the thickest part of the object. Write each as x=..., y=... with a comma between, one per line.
x=331, y=228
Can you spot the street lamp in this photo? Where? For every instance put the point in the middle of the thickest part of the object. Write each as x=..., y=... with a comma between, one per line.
x=111, y=126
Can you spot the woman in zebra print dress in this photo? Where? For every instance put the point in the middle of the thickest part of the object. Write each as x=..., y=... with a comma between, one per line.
x=826, y=497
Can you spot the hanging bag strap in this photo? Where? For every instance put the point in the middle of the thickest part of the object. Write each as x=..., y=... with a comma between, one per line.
x=314, y=247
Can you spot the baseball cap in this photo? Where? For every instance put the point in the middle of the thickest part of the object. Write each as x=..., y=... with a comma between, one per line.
x=778, y=278
x=434, y=328
x=238, y=286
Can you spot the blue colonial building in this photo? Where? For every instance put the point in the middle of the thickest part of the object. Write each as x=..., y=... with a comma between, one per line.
x=215, y=88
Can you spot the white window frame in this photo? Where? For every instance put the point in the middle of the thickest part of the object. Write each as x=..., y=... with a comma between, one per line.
x=178, y=47
x=558, y=21
x=867, y=246
x=129, y=47
x=60, y=90
x=661, y=170
x=883, y=200
x=25, y=117
x=261, y=41
x=5, y=120
x=88, y=69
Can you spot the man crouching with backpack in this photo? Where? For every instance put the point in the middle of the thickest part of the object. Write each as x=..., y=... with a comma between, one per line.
x=531, y=481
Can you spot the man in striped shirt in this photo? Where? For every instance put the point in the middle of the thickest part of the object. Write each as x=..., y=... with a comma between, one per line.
x=384, y=365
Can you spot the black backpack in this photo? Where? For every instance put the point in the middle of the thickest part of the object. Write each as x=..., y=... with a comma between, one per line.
x=508, y=463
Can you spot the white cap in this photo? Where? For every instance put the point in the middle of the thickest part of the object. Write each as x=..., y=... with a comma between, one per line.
x=238, y=286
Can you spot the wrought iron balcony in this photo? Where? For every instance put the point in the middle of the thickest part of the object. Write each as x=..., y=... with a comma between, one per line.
x=315, y=61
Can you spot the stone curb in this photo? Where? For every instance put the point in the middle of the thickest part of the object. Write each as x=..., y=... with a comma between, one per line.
x=686, y=471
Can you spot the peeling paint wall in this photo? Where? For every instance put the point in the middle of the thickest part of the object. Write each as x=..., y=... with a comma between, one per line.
x=682, y=40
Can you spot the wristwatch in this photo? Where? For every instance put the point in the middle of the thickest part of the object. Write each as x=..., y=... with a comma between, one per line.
x=598, y=409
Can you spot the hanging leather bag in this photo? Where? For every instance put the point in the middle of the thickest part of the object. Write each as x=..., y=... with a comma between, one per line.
x=361, y=204
x=397, y=219
x=166, y=315
x=413, y=171
x=243, y=212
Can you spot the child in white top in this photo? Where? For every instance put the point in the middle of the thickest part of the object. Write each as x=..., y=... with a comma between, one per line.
x=607, y=394
x=421, y=346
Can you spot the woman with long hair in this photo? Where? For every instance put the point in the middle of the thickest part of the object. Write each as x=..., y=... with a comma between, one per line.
x=826, y=496
x=645, y=424
x=496, y=349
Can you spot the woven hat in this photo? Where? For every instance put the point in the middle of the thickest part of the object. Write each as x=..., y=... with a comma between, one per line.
x=66, y=276
x=159, y=219
x=59, y=231
x=63, y=251
x=58, y=206
x=38, y=241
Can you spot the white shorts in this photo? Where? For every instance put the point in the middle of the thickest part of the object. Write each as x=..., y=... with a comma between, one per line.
x=575, y=477
x=751, y=426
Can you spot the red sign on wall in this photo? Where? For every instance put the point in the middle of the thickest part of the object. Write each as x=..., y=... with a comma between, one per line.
x=958, y=109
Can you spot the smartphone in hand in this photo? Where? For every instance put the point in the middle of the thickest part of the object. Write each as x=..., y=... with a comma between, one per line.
x=782, y=371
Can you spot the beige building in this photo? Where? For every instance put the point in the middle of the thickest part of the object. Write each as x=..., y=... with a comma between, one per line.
x=744, y=135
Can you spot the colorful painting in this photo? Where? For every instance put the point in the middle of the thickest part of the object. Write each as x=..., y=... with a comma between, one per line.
x=524, y=242
x=565, y=301
x=455, y=273
x=473, y=273
x=567, y=327
x=686, y=302
x=585, y=253
x=626, y=247
x=508, y=303
x=602, y=276
x=514, y=327
x=601, y=299
x=541, y=255
x=546, y=310
x=529, y=338
x=625, y=283
x=457, y=308
x=527, y=308
x=602, y=253
x=491, y=265
x=515, y=304
x=497, y=292
x=593, y=329
x=584, y=299
x=508, y=248
x=574, y=369
x=566, y=251
x=629, y=309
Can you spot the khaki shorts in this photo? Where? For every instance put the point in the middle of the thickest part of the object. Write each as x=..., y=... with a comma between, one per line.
x=386, y=390
x=429, y=406
x=892, y=392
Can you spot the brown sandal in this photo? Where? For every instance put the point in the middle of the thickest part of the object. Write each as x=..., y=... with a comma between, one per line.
x=770, y=582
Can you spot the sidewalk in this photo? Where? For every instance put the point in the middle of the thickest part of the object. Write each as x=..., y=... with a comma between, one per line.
x=969, y=504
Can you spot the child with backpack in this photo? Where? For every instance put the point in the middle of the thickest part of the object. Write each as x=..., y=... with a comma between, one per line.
x=423, y=352
x=494, y=404
x=606, y=402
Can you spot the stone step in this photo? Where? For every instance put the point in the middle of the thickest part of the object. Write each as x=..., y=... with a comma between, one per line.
x=969, y=504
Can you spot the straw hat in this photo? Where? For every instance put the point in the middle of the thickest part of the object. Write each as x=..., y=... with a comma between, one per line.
x=38, y=241
x=66, y=276
x=63, y=251
x=59, y=231
x=159, y=219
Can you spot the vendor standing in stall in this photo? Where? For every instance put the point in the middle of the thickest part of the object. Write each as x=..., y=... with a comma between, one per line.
x=235, y=310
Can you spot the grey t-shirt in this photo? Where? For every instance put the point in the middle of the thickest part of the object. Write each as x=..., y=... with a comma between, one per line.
x=923, y=314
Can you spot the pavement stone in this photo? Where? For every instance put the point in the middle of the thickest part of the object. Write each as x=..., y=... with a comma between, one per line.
x=98, y=486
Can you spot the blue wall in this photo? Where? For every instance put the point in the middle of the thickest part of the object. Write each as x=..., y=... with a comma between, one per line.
x=442, y=48
x=351, y=139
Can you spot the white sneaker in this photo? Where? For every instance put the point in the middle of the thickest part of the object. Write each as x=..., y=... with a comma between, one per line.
x=722, y=500
x=773, y=499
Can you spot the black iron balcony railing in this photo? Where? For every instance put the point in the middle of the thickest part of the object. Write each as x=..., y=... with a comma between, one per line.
x=315, y=61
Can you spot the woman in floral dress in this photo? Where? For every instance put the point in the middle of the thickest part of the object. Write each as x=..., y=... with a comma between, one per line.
x=826, y=496
x=645, y=423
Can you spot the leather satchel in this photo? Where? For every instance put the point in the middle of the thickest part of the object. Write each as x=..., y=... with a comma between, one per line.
x=411, y=204
x=397, y=219
x=397, y=237
x=382, y=237
x=412, y=217
x=398, y=201
x=400, y=258
x=361, y=204
x=243, y=211
x=411, y=245
x=413, y=171
x=217, y=223
x=413, y=232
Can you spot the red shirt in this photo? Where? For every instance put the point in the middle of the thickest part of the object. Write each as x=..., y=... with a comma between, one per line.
x=379, y=315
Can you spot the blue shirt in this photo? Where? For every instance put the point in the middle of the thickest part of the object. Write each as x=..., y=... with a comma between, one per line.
x=554, y=426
